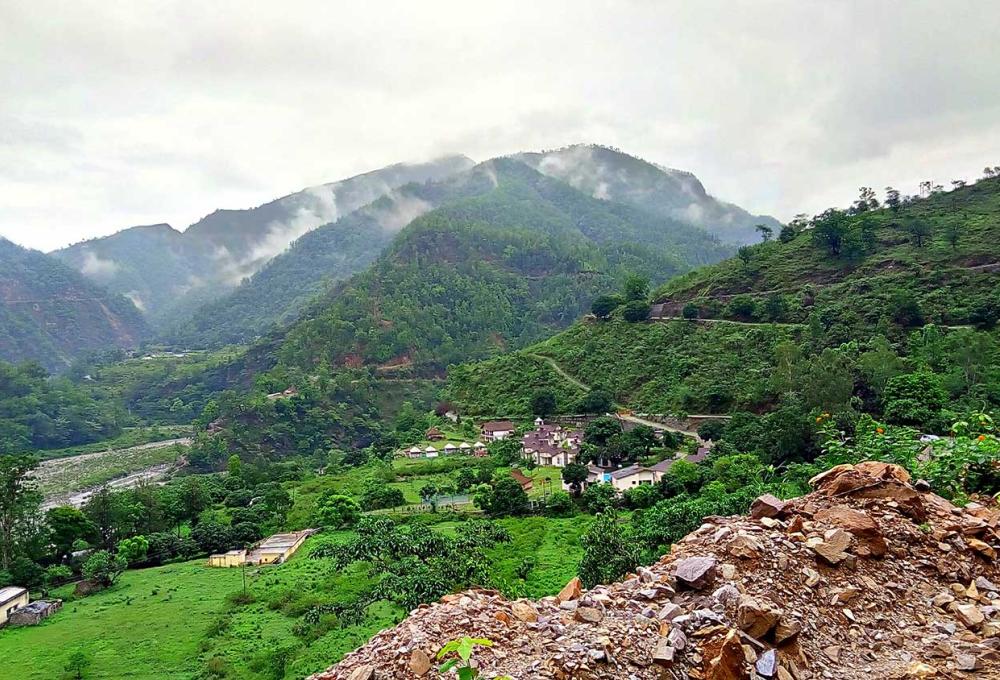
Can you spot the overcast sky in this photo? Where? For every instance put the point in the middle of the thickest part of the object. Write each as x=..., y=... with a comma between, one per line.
x=121, y=113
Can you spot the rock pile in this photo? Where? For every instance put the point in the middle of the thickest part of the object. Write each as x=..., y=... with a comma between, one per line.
x=868, y=576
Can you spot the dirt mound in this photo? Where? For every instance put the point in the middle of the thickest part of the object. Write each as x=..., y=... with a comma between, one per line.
x=868, y=576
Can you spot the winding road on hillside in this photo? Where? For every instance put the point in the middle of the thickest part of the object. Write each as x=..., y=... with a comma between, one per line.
x=629, y=417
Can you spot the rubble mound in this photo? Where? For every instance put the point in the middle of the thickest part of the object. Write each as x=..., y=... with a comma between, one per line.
x=868, y=576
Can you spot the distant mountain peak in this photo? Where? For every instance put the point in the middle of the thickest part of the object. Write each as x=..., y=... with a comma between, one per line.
x=609, y=173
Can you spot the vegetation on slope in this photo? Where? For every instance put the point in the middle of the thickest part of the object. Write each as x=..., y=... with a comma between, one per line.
x=896, y=321
x=50, y=314
x=38, y=412
x=490, y=272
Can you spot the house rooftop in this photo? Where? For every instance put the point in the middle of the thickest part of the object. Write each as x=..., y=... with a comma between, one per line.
x=626, y=471
x=498, y=426
x=11, y=593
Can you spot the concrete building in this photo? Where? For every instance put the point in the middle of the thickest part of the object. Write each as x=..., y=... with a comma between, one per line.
x=551, y=444
x=11, y=598
x=495, y=430
x=274, y=550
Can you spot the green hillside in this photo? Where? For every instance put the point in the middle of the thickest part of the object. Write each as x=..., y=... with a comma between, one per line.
x=169, y=273
x=491, y=272
x=495, y=270
x=898, y=324
x=278, y=293
x=49, y=313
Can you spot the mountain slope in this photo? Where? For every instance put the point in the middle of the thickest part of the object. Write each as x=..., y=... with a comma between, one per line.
x=469, y=279
x=492, y=271
x=49, y=313
x=278, y=292
x=609, y=174
x=168, y=273
x=890, y=326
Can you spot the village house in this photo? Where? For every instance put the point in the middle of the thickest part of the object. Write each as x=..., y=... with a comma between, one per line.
x=479, y=450
x=551, y=444
x=11, y=598
x=495, y=430
x=274, y=550
x=632, y=476
x=595, y=475
x=433, y=435
x=526, y=482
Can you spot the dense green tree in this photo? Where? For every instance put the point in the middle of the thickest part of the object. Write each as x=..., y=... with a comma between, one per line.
x=600, y=430
x=19, y=504
x=543, y=403
x=133, y=550
x=505, y=497
x=636, y=288
x=600, y=497
x=914, y=399
x=603, y=306
x=831, y=231
x=67, y=525
x=636, y=311
x=595, y=401
x=575, y=474
x=642, y=496
x=104, y=568
x=336, y=511
x=609, y=553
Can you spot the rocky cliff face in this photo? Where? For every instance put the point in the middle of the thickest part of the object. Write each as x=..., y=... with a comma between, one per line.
x=869, y=576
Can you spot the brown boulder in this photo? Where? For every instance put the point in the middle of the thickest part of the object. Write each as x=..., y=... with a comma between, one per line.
x=571, y=591
x=728, y=662
x=524, y=611
x=767, y=506
x=696, y=572
x=757, y=617
x=420, y=663
x=366, y=672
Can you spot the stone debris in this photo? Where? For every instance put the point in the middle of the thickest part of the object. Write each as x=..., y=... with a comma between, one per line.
x=868, y=576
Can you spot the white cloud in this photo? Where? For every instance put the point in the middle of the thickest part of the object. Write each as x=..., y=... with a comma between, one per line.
x=97, y=267
x=116, y=114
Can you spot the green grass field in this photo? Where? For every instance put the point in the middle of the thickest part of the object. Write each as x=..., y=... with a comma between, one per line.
x=148, y=626
x=183, y=621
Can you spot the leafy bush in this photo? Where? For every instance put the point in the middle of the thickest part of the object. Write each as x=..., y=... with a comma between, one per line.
x=609, y=552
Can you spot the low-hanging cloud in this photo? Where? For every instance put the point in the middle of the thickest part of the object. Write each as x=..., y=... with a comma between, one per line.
x=97, y=267
x=780, y=107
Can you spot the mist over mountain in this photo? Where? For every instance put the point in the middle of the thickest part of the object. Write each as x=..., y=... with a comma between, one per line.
x=168, y=273
x=50, y=313
x=610, y=174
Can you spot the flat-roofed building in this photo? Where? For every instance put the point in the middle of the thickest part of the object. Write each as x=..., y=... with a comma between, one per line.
x=11, y=599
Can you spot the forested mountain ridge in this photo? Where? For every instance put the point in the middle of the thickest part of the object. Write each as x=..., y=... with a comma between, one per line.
x=168, y=273
x=495, y=270
x=278, y=292
x=49, y=313
x=610, y=174
x=489, y=272
x=888, y=311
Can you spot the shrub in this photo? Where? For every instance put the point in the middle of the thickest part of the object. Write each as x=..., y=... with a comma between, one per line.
x=642, y=496
x=604, y=305
x=600, y=497
x=636, y=311
x=559, y=504
x=690, y=311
